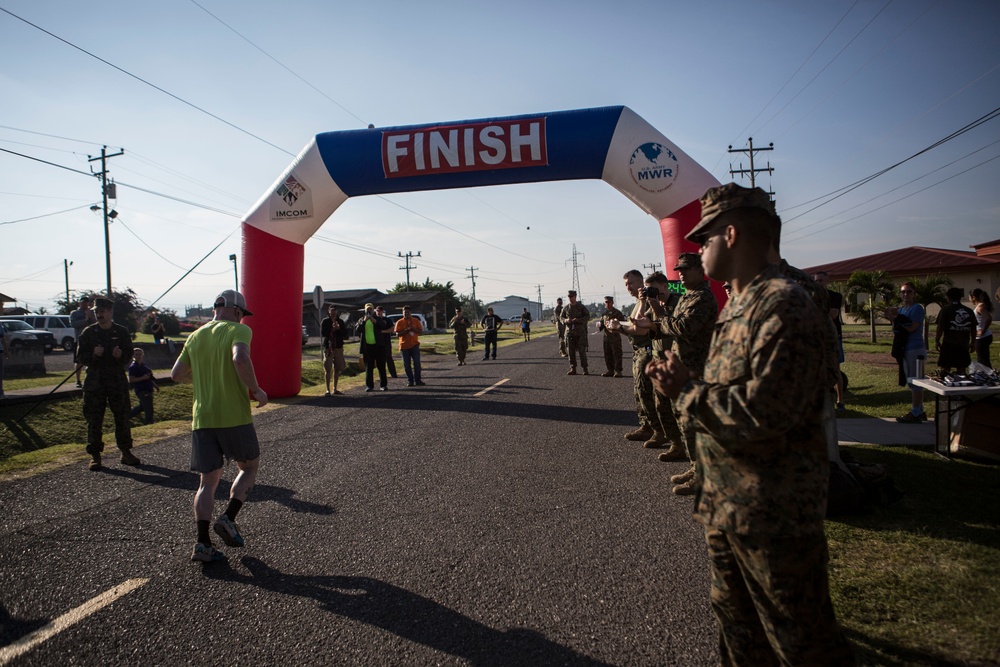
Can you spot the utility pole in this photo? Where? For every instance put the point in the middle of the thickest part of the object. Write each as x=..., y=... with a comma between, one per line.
x=407, y=268
x=576, y=273
x=472, y=274
x=66, y=265
x=106, y=192
x=236, y=275
x=752, y=170
x=652, y=267
x=539, y=314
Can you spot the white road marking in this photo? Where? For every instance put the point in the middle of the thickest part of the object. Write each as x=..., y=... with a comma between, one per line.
x=484, y=391
x=70, y=618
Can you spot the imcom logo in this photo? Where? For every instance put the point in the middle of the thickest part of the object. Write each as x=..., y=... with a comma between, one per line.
x=653, y=167
x=294, y=200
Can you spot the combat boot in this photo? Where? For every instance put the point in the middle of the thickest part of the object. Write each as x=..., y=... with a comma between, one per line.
x=585, y=371
x=95, y=462
x=655, y=441
x=686, y=489
x=642, y=433
x=607, y=374
x=675, y=453
x=572, y=371
x=129, y=459
x=684, y=477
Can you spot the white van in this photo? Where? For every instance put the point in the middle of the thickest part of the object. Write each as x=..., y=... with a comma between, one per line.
x=57, y=325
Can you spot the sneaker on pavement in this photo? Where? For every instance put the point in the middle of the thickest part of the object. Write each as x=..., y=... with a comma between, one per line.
x=227, y=529
x=922, y=416
x=618, y=374
x=79, y=385
x=640, y=434
x=572, y=371
x=607, y=374
x=206, y=553
x=129, y=459
x=419, y=383
x=586, y=372
x=910, y=418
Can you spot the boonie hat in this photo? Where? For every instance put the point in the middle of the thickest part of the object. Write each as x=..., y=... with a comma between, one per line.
x=717, y=201
x=230, y=298
x=688, y=260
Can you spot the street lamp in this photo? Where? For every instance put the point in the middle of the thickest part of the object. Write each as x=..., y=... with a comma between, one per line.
x=236, y=275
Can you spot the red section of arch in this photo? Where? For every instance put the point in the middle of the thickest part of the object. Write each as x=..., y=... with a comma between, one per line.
x=673, y=229
x=272, y=284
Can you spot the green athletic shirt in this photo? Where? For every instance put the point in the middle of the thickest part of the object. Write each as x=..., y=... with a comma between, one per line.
x=221, y=399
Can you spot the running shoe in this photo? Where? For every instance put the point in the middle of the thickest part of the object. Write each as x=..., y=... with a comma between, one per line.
x=206, y=553
x=227, y=529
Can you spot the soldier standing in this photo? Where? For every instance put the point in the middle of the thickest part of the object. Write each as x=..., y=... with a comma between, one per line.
x=612, y=339
x=575, y=317
x=761, y=447
x=560, y=326
x=690, y=326
x=460, y=323
x=661, y=302
x=105, y=348
x=642, y=352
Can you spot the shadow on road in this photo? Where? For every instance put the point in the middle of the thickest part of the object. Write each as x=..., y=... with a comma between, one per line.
x=188, y=481
x=408, y=615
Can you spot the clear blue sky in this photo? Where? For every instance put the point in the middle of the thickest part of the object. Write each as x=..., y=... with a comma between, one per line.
x=843, y=89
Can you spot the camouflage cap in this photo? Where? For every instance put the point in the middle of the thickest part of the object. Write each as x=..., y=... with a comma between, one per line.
x=571, y=293
x=688, y=260
x=717, y=201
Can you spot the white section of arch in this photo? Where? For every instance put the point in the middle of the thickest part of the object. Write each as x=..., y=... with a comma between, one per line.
x=300, y=201
x=631, y=132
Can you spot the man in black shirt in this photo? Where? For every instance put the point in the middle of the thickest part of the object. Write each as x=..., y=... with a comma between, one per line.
x=333, y=333
x=491, y=323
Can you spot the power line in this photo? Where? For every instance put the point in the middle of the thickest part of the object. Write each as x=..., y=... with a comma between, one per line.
x=45, y=215
x=281, y=64
x=840, y=192
x=148, y=83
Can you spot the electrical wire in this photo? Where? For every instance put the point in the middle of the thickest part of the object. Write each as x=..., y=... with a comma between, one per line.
x=45, y=215
x=944, y=180
x=280, y=64
x=148, y=83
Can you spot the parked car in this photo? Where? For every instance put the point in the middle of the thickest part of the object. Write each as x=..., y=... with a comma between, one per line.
x=58, y=325
x=21, y=333
x=305, y=335
x=395, y=317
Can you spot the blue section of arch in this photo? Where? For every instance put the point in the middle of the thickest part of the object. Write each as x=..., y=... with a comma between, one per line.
x=577, y=143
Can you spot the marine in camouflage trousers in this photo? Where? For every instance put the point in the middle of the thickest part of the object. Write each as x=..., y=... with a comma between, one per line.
x=613, y=352
x=461, y=345
x=772, y=602
x=577, y=343
x=113, y=395
x=655, y=411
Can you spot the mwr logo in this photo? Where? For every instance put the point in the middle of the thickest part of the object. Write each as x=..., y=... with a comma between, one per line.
x=503, y=144
x=294, y=200
x=654, y=167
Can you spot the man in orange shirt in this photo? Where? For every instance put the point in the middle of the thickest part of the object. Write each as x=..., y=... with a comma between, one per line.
x=408, y=329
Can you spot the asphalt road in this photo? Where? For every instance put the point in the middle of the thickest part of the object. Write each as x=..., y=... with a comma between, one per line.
x=424, y=526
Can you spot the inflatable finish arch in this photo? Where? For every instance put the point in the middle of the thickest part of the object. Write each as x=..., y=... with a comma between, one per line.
x=609, y=143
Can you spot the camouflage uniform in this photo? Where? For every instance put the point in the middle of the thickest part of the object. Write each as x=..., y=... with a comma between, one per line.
x=690, y=326
x=560, y=329
x=106, y=384
x=642, y=386
x=763, y=465
x=661, y=404
x=576, y=333
x=612, y=341
x=461, y=326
